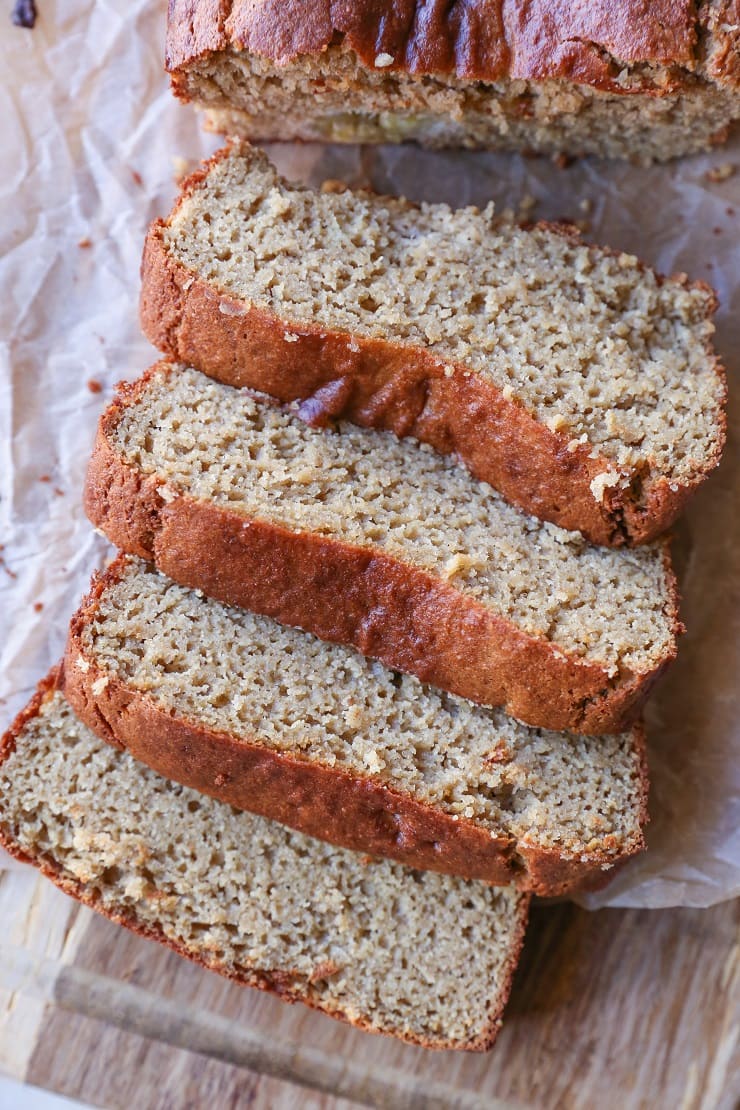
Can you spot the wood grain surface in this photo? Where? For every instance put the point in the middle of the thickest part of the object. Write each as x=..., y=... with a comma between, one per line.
x=614, y=1009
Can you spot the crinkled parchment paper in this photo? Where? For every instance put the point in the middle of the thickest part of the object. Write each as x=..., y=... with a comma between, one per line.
x=90, y=136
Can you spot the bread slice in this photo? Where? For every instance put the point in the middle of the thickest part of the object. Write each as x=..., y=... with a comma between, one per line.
x=619, y=79
x=424, y=957
x=577, y=382
x=272, y=720
x=382, y=545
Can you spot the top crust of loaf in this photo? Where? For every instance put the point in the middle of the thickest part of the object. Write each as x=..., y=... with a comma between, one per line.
x=612, y=45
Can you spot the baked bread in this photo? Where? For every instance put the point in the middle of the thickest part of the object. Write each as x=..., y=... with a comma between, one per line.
x=620, y=79
x=383, y=545
x=270, y=719
x=577, y=382
x=424, y=957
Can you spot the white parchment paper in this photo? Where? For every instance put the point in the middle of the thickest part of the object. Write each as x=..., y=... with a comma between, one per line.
x=90, y=138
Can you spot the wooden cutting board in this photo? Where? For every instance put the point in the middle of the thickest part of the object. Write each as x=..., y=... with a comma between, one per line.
x=618, y=1009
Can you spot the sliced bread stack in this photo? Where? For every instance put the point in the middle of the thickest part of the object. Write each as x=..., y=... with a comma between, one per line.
x=387, y=546
x=272, y=720
x=352, y=691
x=573, y=379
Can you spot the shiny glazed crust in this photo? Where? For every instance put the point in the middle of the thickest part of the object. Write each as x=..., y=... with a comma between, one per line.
x=387, y=609
x=403, y=389
x=342, y=807
x=286, y=987
x=479, y=40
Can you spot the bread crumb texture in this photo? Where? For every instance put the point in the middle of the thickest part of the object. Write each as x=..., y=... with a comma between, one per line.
x=416, y=954
x=591, y=343
x=234, y=672
x=657, y=112
x=233, y=448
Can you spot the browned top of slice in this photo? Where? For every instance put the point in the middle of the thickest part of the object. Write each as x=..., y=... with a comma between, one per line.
x=615, y=45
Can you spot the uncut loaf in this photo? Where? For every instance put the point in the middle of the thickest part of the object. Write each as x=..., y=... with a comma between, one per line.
x=380, y=544
x=272, y=720
x=577, y=382
x=621, y=79
x=424, y=957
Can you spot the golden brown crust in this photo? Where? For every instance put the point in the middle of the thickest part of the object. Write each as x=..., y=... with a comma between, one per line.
x=387, y=609
x=478, y=40
x=346, y=808
x=44, y=690
x=404, y=389
x=288, y=988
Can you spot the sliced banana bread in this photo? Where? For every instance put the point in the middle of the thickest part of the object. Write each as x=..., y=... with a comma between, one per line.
x=579, y=383
x=272, y=720
x=384, y=545
x=424, y=957
x=646, y=81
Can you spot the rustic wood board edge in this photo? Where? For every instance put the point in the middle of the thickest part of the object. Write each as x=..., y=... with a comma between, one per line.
x=619, y=1008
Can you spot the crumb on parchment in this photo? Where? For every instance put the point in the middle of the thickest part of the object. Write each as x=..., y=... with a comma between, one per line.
x=721, y=173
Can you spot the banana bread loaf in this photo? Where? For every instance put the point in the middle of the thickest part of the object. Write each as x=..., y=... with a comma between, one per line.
x=384, y=545
x=424, y=957
x=275, y=721
x=625, y=80
x=577, y=382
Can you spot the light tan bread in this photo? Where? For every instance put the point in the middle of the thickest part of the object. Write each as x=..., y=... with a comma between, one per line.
x=645, y=82
x=576, y=381
x=423, y=957
x=383, y=545
x=272, y=720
